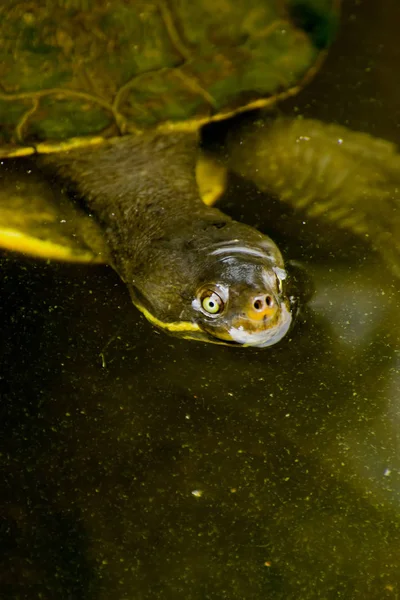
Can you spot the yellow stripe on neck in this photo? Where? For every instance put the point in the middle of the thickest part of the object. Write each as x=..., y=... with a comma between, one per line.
x=174, y=327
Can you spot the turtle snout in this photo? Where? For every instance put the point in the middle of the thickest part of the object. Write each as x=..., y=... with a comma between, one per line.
x=262, y=321
x=262, y=307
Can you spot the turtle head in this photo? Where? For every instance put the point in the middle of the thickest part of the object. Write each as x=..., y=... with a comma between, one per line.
x=243, y=299
x=227, y=288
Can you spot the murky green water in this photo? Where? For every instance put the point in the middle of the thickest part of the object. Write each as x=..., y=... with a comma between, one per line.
x=136, y=466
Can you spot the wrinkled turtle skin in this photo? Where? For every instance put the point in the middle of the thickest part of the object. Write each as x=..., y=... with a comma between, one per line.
x=101, y=106
x=93, y=68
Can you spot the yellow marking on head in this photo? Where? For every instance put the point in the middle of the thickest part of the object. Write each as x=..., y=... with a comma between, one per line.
x=258, y=315
x=20, y=242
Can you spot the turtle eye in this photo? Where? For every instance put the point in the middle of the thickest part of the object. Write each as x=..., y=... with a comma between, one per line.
x=211, y=302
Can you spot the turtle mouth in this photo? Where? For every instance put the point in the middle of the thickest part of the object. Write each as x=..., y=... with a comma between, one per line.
x=271, y=331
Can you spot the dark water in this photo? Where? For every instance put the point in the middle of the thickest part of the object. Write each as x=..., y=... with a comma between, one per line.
x=135, y=466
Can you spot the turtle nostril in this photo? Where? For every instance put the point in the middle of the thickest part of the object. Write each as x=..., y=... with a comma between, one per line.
x=262, y=303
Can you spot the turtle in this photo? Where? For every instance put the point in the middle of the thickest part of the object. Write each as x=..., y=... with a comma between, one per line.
x=102, y=105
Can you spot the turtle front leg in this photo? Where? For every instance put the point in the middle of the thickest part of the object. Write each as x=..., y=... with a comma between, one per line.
x=328, y=171
x=38, y=219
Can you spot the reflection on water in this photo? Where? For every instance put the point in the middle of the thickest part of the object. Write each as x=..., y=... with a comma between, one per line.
x=137, y=466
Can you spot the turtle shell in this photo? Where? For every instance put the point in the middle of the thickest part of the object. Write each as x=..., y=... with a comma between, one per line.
x=75, y=72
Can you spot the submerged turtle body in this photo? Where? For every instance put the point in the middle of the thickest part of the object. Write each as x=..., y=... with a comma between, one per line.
x=107, y=99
